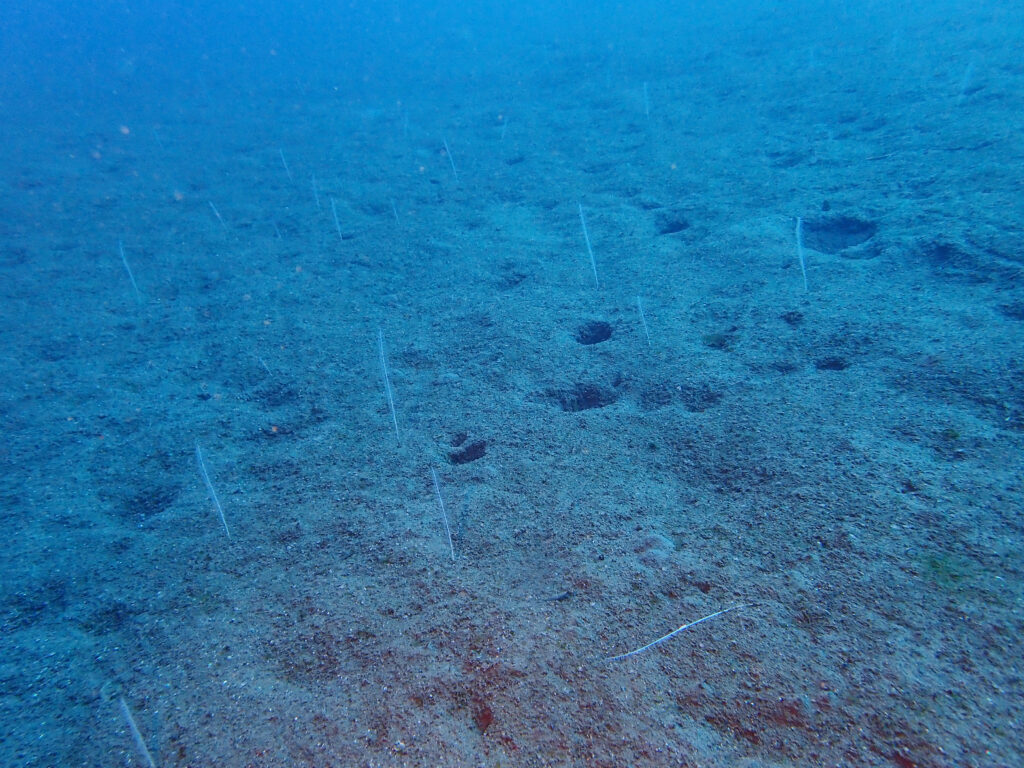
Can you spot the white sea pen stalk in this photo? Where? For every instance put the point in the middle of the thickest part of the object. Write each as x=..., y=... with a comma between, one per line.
x=643, y=320
x=800, y=248
x=209, y=487
x=387, y=385
x=124, y=260
x=590, y=251
x=444, y=513
x=674, y=632
x=136, y=736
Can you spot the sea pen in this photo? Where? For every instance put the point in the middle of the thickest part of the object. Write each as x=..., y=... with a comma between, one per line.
x=136, y=735
x=586, y=236
x=674, y=632
x=337, y=224
x=209, y=487
x=800, y=248
x=643, y=320
x=450, y=158
x=387, y=385
x=285, y=164
x=316, y=193
x=444, y=513
x=120, y=247
x=217, y=214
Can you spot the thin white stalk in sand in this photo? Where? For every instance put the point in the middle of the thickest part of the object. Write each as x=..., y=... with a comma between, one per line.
x=643, y=320
x=450, y=158
x=120, y=247
x=209, y=487
x=590, y=251
x=387, y=385
x=337, y=224
x=800, y=248
x=136, y=735
x=285, y=164
x=444, y=513
x=217, y=214
x=316, y=193
x=674, y=632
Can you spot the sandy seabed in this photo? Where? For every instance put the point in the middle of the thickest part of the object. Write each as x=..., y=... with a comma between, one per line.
x=696, y=429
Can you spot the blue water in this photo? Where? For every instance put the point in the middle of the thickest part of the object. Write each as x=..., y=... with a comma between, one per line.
x=538, y=384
